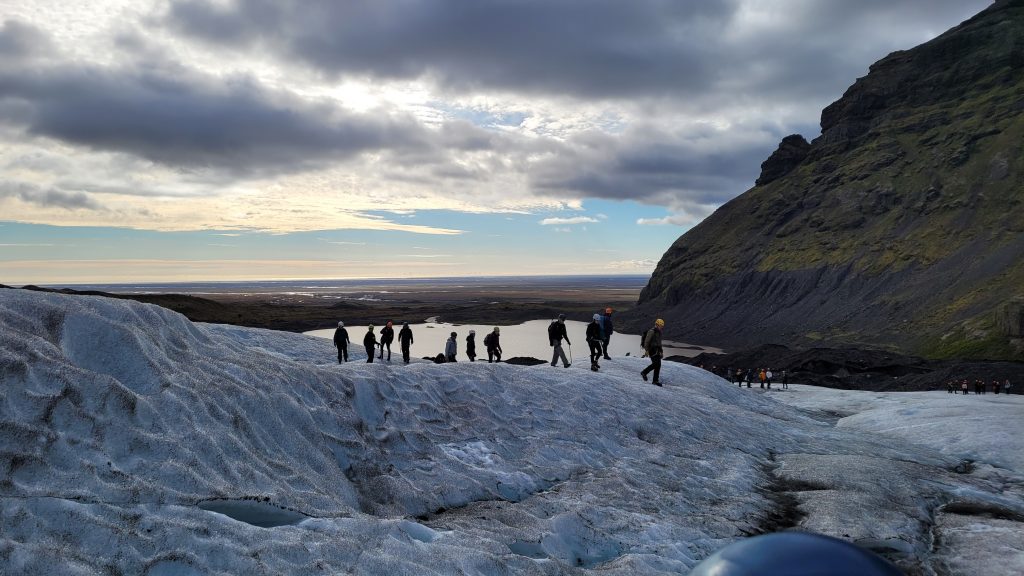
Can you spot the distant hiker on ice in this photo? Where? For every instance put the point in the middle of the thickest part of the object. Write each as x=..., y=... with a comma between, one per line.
x=341, y=342
x=595, y=338
x=450, y=348
x=405, y=340
x=556, y=332
x=471, y=346
x=652, y=346
x=387, y=336
x=491, y=341
x=606, y=326
x=370, y=343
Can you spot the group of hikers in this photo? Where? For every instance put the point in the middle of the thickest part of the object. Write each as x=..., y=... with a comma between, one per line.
x=598, y=335
x=954, y=387
x=376, y=348
x=750, y=375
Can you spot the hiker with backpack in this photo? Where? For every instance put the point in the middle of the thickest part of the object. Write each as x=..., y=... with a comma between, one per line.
x=405, y=340
x=450, y=348
x=471, y=346
x=595, y=339
x=341, y=342
x=556, y=332
x=491, y=341
x=606, y=326
x=653, y=349
x=370, y=343
x=387, y=336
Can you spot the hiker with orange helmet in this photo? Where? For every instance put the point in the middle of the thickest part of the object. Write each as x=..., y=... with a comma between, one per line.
x=652, y=346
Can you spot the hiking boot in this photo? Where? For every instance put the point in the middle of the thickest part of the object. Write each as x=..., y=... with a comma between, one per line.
x=607, y=357
x=567, y=365
x=644, y=376
x=657, y=383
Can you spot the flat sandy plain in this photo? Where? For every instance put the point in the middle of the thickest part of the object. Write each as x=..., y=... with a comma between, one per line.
x=301, y=306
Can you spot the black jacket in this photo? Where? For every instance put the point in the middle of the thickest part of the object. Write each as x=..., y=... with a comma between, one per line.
x=593, y=331
x=607, y=322
x=471, y=345
x=405, y=336
x=556, y=332
x=387, y=335
x=341, y=337
x=492, y=341
x=369, y=340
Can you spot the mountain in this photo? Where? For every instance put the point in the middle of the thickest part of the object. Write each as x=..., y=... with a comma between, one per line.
x=133, y=441
x=900, y=226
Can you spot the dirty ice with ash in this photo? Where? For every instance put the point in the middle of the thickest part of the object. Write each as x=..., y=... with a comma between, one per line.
x=133, y=441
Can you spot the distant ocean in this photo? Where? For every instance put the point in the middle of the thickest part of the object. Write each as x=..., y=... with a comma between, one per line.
x=379, y=286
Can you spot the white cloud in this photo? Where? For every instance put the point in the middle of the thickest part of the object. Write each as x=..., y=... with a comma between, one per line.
x=640, y=265
x=673, y=220
x=567, y=221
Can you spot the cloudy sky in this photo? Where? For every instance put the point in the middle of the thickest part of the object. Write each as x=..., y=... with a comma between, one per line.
x=228, y=139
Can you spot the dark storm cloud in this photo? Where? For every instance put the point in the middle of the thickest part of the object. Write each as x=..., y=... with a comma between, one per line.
x=194, y=121
x=21, y=41
x=592, y=48
x=657, y=168
x=47, y=197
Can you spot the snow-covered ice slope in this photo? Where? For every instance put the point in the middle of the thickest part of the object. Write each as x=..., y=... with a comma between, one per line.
x=135, y=442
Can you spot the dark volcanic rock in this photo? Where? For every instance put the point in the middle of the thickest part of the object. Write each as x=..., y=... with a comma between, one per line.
x=1010, y=318
x=900, y=227
x=859, y=369
x=790, y=153
x=525, y=361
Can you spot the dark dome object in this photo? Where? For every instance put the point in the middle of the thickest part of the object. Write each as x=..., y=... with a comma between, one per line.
x=793, y=554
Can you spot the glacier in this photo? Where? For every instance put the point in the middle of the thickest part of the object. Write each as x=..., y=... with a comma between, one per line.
x=133, y=441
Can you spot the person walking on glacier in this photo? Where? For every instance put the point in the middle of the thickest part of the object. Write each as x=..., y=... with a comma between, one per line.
x=493, y=343
x=370, y=343
x=471, y=346
x=451, y=348
x=594, y=339
x=387, y=336
x=652, y=346
x=405, y=341
x=556, y=332
x=341, y=342
x=606, y=326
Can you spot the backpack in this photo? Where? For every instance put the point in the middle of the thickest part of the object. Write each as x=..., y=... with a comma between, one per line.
x=646, y=338
x=489, y=339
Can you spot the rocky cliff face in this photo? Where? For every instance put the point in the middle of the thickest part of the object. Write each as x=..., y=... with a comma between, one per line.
x=902, y=225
